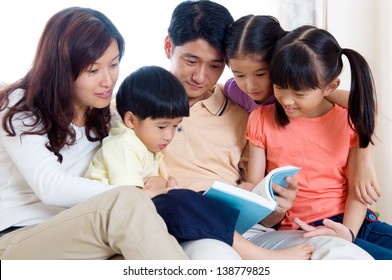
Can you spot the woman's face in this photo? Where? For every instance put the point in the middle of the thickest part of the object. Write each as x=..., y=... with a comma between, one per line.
x=251, y=74
x=94, y=86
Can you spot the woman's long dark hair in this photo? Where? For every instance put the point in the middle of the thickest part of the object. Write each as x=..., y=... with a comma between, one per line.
x=73, y=39
x=310, y=58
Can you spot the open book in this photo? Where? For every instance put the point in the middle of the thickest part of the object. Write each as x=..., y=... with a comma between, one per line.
x=254, y=206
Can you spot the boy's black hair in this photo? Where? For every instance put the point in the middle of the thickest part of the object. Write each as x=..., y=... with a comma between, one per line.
x=152, y=91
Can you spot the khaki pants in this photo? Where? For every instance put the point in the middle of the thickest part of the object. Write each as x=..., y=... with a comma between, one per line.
x=122, y=221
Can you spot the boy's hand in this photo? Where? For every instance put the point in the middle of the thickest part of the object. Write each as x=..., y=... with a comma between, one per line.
x=155, y=182
x=172, y=183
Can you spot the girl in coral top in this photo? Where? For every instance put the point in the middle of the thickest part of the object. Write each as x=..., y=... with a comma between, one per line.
x=250, y=42
x=304, y=129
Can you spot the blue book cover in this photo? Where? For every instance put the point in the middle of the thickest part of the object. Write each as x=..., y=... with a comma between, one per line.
x=253, y=206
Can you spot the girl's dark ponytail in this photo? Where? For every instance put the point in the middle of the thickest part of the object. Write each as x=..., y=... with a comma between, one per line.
x=362, y=99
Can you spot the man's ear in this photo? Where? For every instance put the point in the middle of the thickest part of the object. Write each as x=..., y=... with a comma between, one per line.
x=168, y=46
x=331, y=87
x=129, y=119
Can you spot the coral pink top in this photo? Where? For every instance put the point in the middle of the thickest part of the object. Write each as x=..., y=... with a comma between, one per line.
x=320, y=146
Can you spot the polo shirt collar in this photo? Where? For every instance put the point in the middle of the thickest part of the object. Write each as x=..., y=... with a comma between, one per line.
x=216, y=103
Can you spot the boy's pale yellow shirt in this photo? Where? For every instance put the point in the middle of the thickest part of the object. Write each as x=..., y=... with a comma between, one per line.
x=123, y=159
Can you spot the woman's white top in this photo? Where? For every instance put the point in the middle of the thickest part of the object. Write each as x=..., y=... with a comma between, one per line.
x=33, y=185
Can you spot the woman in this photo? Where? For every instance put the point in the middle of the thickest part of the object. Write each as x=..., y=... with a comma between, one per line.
x=53, y=121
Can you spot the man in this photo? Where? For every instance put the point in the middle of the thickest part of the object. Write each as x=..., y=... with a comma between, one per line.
x=210, y=144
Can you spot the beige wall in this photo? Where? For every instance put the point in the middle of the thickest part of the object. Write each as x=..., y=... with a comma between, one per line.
x=383, y=59
x=364, y=25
